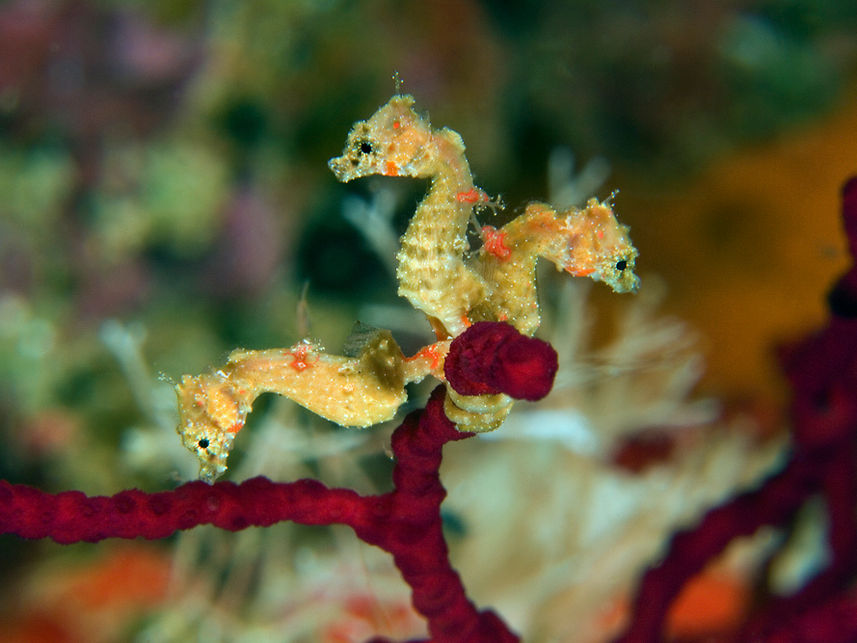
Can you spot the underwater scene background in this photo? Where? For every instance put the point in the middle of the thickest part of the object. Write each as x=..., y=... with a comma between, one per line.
x=165, y=197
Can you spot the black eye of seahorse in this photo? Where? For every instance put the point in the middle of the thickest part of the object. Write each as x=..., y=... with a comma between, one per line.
x=365, y=147
x=621, y=265
x=203, y=444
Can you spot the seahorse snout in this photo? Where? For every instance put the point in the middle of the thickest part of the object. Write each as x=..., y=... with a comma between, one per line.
x=341, y=168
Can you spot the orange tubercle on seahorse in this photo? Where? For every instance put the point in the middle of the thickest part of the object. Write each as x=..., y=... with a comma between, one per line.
x=473, y=195
x=579, y=272
x=428, y=360
x=302, y=355
x=495, y=242
x=429, y=352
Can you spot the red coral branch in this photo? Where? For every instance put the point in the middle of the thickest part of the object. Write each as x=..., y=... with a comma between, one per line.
x=405, y=522
x=496, y=358
x=822, y=371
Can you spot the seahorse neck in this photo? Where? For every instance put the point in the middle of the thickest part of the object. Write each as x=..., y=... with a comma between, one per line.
x=451, y=190
x=447, y=205
x=431, y=270
x=450, y=158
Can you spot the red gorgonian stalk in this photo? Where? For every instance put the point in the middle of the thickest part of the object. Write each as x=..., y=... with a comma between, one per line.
x=405, y=522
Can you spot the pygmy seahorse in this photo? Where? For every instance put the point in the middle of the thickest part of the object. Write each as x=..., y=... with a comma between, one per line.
x=587, y=242
x=432, y=274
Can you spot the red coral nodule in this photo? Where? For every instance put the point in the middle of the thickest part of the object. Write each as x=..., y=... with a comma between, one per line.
x=520, y=366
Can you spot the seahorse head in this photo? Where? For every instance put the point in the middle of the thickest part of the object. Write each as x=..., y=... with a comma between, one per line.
x=394, y=141
x=586, y=242
x=210, y=417
x=598, y=246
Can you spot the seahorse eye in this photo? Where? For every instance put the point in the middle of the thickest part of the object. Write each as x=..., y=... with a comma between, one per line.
x=365, y=147
x=621, y=265
x=203, y=443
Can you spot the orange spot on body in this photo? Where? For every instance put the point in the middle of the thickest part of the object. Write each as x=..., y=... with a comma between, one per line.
x=301, y=356
x=391, y=169
x=495, y=242
x=430, y=353
x=473, y=195
x=235, y=428
x=396, y=125
x=580, y=272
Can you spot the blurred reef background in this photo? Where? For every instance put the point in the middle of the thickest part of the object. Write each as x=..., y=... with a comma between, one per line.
x=165, y=197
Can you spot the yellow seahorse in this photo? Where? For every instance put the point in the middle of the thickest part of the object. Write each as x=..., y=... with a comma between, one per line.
x=362, y=388
x=432, y=274
x=587, y=242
